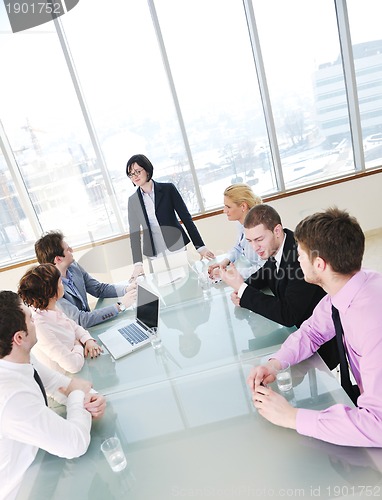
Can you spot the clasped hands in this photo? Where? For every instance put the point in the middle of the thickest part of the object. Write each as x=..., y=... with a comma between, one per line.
x=137, y=271
x=270, y=404
x=130, y=296
x=94, y=402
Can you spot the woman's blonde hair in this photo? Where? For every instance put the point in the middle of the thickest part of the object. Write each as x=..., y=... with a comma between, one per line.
x=242, y=193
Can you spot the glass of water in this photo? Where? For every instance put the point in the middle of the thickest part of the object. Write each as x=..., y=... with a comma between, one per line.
x=114, y=454
x=204, y=283
x=284, y=377
x=155, y=337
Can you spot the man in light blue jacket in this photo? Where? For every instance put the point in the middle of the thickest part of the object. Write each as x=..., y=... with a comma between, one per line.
x=52, y=248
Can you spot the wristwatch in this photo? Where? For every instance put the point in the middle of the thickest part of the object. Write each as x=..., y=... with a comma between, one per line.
x=121, y=307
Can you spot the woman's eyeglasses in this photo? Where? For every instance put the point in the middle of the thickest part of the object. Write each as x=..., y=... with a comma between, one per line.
x=134, y=173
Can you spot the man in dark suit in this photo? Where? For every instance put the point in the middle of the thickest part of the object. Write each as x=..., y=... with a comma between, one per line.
x=293, y=299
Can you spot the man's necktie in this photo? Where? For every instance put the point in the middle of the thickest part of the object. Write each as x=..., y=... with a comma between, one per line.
x=39, y=382
x=273, y=266
x=75, y=292
x=352, y=391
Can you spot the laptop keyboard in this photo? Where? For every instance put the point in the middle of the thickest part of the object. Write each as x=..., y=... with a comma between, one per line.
x=133, y=334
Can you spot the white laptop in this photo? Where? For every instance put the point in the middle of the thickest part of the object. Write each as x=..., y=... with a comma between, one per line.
x=129, y=338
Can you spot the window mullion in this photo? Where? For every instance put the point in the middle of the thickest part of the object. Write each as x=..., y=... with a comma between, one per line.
x=350, y=83
x=21, y=189
x=264, y=92
x=89, y=124
x=176, y=102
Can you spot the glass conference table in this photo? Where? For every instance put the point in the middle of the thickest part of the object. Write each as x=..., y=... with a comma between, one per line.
x=186, y=421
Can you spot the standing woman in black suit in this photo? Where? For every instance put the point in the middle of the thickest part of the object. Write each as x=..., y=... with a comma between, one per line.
x=154, y=208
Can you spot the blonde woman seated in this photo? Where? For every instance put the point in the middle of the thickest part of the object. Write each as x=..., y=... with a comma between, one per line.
x=238, y=200
x=62, y=344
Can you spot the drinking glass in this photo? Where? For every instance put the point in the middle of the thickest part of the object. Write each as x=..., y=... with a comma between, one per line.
x=155, y=337
x=114, y=455
x=284, y=377
x=204, y=283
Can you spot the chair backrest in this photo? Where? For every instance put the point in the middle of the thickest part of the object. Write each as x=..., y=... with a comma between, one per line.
x=110, y=262
x=169, y=261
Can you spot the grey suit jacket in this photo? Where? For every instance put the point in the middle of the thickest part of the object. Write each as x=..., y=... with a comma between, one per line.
x=72, y=305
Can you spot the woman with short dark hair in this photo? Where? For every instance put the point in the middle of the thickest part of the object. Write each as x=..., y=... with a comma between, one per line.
x=154, y=208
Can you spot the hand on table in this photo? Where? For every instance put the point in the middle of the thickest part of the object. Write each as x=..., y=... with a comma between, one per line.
x=274, y=407
x=271, y=405
x=95, y=404
x=235, y=299
x=207, y=254
x=262, y=375
x=76, y=384
x=231, y=276
x=130, y=296
x=92, y=349
x=214, y=269
x=137, y=271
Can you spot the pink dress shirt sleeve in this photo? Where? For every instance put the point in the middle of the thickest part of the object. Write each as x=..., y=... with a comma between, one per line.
x=361, y=320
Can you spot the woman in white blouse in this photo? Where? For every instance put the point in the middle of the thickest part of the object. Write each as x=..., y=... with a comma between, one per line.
x=238, y=200
x=62, y=343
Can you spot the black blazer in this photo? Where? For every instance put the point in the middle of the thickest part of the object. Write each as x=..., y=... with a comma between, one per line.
x=293, y=299
x=168, y=203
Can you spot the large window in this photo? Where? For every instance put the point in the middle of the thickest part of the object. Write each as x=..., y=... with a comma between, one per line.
x=16, y=234
x=306, y=90
x=51, y=149
x=126, y=89
x=367, y=51
x=277, y=94
x=215, y=78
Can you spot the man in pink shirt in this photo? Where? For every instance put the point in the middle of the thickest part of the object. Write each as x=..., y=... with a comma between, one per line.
x=331, y=247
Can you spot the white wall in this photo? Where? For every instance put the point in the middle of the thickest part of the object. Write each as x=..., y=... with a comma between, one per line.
x=361, y=197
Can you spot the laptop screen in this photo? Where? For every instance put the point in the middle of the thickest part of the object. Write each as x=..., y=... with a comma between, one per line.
x=147, y=307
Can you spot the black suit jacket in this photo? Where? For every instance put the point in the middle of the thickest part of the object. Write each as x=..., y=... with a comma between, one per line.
x=168, y=204
x=293, y=299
